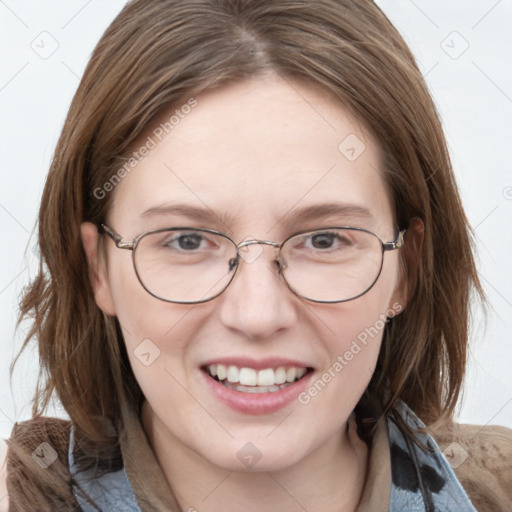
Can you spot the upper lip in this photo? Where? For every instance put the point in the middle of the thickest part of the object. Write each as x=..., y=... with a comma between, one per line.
x=257, y=364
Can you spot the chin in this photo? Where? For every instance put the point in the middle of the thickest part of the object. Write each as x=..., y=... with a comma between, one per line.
x=255, y=456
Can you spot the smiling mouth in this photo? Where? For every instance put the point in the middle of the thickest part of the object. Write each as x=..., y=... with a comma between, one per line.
x=249, y=380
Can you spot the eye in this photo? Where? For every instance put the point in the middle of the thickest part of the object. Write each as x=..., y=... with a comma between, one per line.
x=191, y=241
x=186, y=242
x=327, y=240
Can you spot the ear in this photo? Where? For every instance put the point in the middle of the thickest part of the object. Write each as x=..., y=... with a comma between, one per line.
x=409, y=261
x=97, y=268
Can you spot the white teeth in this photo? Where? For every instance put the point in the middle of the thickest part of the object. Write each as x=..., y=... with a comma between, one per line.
x=268, y=379
x=221, y=371
x=254, y=389
x=232, y=374
x=280, y=375
x=291, y=373
x=248, y=377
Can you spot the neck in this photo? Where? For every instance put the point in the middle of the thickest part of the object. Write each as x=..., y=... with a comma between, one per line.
x=330, y=479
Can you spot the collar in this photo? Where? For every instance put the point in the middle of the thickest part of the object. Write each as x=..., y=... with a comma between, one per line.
x=422, y=481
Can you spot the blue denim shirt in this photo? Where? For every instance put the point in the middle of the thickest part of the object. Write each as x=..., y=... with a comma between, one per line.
x=421, y=482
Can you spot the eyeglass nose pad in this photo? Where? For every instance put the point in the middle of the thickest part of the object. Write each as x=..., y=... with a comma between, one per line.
x=233, y=263
x=280, y=263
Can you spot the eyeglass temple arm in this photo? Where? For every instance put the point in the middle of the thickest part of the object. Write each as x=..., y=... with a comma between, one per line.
x=399, y=242
x=116, y=237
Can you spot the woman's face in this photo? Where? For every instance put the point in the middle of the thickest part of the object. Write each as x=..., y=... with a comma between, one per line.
x=250, y=157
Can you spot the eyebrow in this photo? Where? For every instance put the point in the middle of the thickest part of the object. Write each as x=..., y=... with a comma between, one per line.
x=330, y=209
x=297, y=215
x=186, y=210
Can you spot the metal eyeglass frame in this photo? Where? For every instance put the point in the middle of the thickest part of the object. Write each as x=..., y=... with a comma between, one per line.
x=132, y=246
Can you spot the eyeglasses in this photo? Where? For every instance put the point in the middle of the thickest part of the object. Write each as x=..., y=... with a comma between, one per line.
x=193, y=265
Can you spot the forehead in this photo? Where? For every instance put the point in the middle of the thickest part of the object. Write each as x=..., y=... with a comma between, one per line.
x=253, y=153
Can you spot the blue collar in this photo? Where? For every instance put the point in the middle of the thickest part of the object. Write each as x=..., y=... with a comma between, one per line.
x=421, y=482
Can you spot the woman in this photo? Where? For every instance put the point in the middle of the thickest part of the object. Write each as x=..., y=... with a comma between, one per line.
x=256, y=275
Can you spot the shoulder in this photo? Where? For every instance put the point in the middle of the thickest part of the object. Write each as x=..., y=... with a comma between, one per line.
x=43, y=438
x=53, y=428
x=481, y=458
x=37, y=469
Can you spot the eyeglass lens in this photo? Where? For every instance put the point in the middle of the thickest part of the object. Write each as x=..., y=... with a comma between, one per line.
x=194, y=265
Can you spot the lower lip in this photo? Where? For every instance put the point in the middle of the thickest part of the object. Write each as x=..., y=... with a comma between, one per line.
x=257, y=403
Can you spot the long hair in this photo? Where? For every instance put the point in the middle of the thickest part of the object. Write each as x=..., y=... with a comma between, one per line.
x=159, y=54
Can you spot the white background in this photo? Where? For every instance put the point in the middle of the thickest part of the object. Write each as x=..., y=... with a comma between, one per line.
x=473, y=92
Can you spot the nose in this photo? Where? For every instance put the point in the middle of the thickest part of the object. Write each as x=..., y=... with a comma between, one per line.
x=257, y=302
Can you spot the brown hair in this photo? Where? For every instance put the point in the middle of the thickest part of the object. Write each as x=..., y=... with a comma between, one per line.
x=152, y=56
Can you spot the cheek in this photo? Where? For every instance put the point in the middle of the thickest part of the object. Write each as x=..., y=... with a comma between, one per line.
x=354, y=344
x=157, y=334
x=159, y=338
x=363, y=319
x=352, y=339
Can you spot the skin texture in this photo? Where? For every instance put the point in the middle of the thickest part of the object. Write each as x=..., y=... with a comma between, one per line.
x=254, y=151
